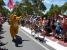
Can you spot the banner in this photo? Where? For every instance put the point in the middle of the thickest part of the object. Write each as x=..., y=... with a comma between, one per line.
x=11, y=4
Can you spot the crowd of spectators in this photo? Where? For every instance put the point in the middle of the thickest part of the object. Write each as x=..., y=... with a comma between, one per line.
x=53, y=26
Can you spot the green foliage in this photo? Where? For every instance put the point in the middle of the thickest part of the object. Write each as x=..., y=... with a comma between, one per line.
x=2, y=3
x=3, y=10
x=64, y=7
x=38, y=7
x=54, y=10
x=42, y=7
x=23, y=8
x=30, y=7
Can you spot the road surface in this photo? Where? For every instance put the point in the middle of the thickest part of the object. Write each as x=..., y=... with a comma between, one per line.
x=29, y=42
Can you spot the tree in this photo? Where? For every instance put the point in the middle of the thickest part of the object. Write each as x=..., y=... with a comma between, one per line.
x=23, y=8
x=50, y=12
x=30, y=7
x=3, y=10
x=38, y=7
x=54, y=10
x=64, y=8
x=1, y=5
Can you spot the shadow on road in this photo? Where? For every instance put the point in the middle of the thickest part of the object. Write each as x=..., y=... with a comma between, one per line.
x=2, y=32
x=20, y=45
x=25, y=40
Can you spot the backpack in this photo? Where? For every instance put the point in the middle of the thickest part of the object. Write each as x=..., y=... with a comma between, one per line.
x=18, y=40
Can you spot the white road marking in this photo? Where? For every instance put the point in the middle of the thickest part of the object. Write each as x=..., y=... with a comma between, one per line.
x=36, y=41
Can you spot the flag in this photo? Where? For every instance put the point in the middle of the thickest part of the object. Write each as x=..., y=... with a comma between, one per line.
x=10, y=4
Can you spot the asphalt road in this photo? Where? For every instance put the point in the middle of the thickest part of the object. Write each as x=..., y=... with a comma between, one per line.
x=29, y=42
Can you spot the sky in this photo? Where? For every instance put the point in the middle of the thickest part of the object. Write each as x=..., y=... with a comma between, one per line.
x=47, y=3
x=6, y=1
